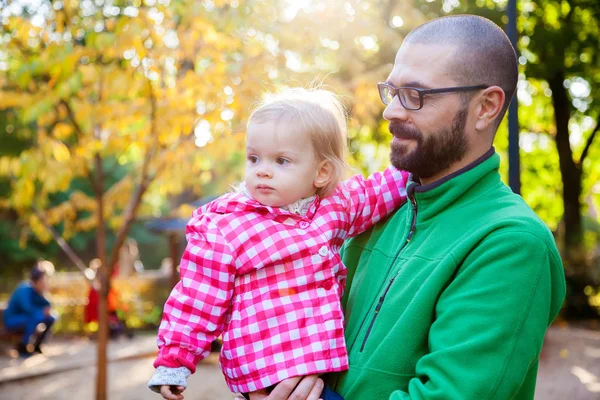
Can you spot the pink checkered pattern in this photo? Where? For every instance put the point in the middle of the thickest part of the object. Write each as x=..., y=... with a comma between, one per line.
x=270, y=281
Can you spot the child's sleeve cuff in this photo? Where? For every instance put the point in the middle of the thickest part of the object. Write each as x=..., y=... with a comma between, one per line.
x=168, y=376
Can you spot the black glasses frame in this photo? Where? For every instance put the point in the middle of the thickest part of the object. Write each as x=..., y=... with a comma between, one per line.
x=422, y=92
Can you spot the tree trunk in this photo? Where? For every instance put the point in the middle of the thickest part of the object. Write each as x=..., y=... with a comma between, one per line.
x=570, y=240
x=570, y=171
x=101, y=379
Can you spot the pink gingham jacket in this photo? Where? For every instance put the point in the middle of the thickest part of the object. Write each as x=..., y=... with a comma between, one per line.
x=271, y=282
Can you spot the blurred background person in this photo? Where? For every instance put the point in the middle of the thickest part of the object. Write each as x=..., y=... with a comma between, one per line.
x=27, y=308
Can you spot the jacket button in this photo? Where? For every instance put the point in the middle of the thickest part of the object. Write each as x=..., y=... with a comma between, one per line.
x=303, y=224
x=323, y=251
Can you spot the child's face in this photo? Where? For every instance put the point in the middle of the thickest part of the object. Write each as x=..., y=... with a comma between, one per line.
x=281, y=165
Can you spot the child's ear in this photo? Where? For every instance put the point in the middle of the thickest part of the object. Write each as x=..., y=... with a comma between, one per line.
x=324, y=174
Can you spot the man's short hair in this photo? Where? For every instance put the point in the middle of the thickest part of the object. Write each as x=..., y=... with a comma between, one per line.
x=484, y=54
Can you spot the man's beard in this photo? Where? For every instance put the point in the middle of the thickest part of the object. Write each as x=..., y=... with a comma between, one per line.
x=433, y=154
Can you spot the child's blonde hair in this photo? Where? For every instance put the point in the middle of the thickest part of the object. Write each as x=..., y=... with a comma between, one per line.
x=317, y=113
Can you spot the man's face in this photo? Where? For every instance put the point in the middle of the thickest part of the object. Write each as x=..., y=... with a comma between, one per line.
x=41, y=285
x=428, y=141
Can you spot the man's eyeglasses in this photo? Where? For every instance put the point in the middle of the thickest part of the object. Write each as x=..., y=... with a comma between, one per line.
x=412, y=98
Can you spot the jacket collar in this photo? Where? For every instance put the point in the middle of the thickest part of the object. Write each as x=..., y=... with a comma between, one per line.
x=436, y=196
x=240, y=200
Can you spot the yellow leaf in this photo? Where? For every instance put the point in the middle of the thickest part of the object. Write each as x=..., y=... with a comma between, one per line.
x=564, y=353
x=60, y=151
x=23, y=193
x=5, y=165
x=62, y=131
x=39, y=229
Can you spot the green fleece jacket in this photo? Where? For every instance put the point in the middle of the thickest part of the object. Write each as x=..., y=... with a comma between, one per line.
x=451, y=296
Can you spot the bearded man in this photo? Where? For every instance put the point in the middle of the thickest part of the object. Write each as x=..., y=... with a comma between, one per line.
x=451, y=296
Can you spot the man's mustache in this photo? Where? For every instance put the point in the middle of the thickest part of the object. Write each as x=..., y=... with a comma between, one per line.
x=402, y=131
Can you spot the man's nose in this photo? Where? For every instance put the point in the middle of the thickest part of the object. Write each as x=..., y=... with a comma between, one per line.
x=395, y=111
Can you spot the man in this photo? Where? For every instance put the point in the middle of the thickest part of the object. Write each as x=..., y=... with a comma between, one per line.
x=27, y=308
x=449, y=298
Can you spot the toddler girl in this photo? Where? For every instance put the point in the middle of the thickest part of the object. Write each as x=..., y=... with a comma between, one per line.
x=262, y=264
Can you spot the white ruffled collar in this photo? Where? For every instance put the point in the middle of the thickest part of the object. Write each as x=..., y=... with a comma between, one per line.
x=299, y=207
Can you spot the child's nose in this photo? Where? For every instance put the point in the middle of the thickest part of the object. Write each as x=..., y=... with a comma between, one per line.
x=264, y=172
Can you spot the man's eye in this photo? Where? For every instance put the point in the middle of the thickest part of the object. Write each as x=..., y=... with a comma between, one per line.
x=253, y=159
x=413, y=95
x=282, y=161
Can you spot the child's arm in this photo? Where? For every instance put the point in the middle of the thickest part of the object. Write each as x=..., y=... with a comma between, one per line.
x=374, y=198
x=196, y=310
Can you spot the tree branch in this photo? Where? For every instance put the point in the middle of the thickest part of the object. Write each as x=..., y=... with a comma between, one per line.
x=80, y=134
x=71, y=116
x=588, y=144
x=62, y=243
x=182, y=139
x=132, y=207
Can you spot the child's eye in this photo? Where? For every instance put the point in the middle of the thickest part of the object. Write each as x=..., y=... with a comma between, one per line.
x=253, y=159
x=282, y=161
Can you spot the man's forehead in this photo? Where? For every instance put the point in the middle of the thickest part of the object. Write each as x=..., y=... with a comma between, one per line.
x=424, y=63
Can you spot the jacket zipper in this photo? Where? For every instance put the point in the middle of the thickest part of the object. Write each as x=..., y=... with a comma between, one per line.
x=409, y=237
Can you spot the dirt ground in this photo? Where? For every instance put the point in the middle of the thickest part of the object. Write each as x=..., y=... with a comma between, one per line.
x=569, y=369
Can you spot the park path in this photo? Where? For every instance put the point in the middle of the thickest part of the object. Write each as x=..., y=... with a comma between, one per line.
x=569, y=369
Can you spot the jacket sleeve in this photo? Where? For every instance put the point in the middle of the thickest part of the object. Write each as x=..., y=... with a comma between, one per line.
x=374, y=198
x=490, y=321
x=196, y=310
x=41, y=301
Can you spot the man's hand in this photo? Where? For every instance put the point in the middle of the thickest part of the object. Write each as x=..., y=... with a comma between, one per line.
x=172, y=392
x=297, y=388
x=259, y=394
x=47, y=311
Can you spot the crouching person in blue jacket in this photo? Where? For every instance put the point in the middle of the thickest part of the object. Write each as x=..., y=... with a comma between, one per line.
x=28, y=308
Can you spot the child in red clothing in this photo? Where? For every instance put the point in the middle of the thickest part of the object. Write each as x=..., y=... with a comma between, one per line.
x=115, y=325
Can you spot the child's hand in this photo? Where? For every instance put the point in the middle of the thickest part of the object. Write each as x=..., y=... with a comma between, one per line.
x=172, y=392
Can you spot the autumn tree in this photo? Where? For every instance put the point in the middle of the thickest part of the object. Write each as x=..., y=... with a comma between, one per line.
x=157, y=89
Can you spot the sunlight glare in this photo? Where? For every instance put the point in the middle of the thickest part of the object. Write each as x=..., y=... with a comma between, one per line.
x=292, y=61
x=369, y=42
x=397, y=21
x=588, y=379
x=580, y=88
x=290, y=10
x=203, y=134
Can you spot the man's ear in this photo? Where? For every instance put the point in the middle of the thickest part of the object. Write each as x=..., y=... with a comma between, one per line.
x=324, y=174
x=490, y=104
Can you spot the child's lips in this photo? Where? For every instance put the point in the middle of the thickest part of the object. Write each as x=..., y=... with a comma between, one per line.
x=264, y=188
